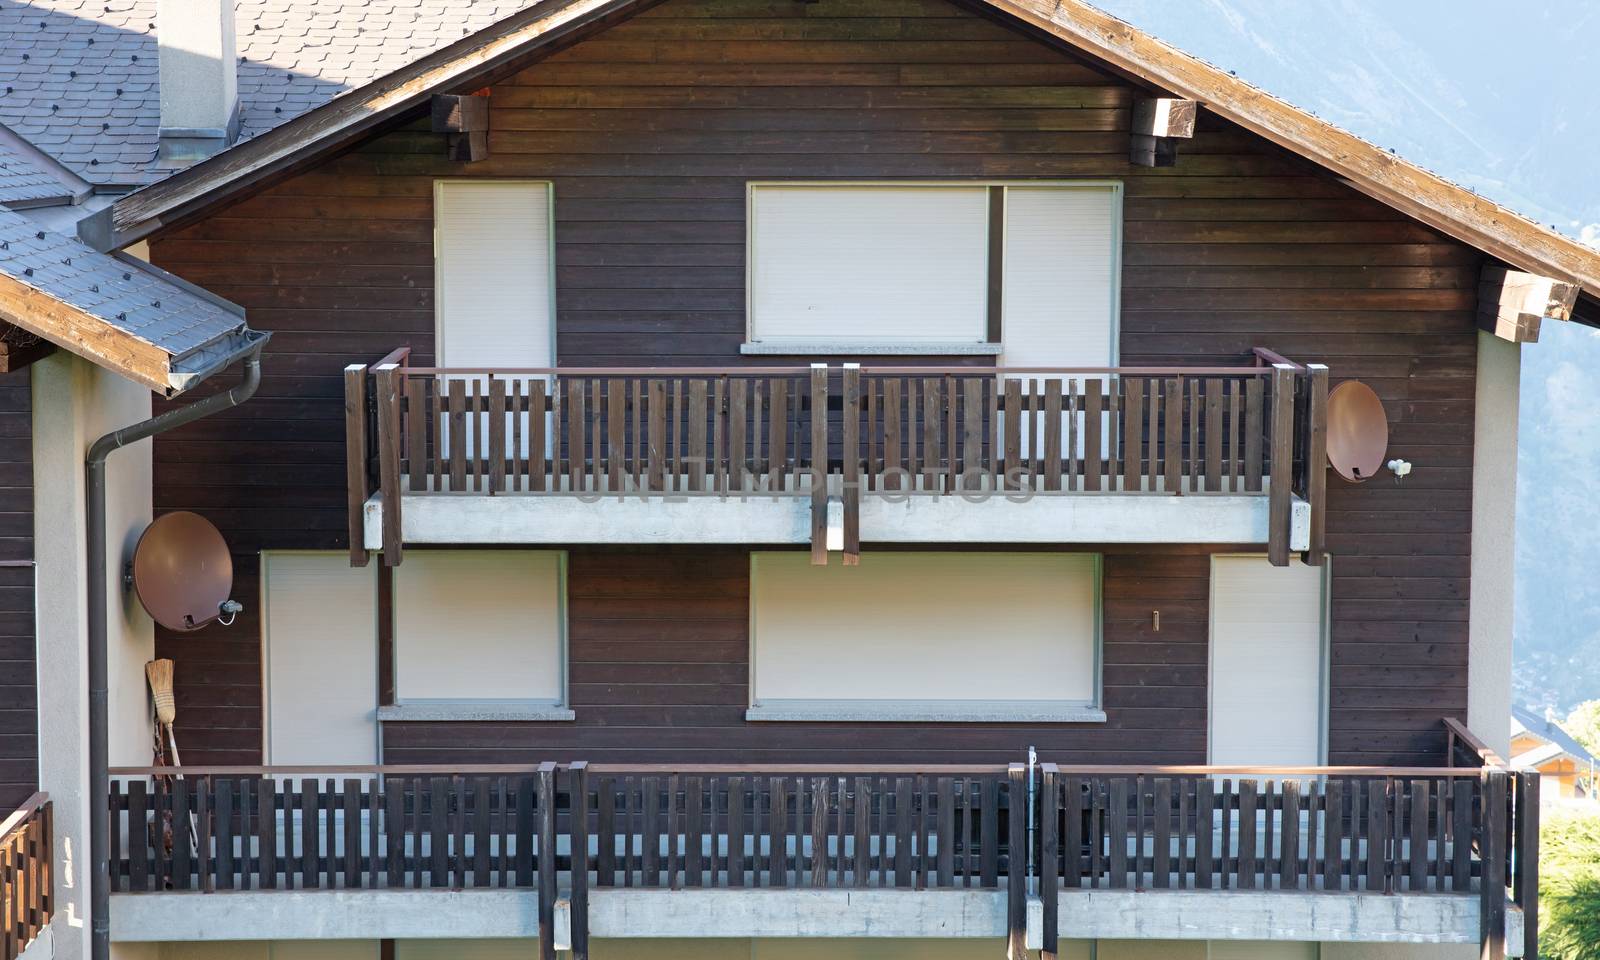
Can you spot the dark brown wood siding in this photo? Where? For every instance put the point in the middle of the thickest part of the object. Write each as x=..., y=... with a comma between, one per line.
x=19, y=701
x=649, y=133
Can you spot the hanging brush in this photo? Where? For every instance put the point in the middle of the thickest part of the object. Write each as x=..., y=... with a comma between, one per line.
x=159, y=675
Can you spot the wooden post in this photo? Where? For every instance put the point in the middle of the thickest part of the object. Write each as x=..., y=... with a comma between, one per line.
x=578, y=781
x=389, y=457
x=547, y=860
x=1491, y=854
x=1316, y=460
x=852, y=463
x=1050, y=854
x=1017, y=862
x=355, y=459
x=819, y=464
x=1527, y=859
x=1281, y=480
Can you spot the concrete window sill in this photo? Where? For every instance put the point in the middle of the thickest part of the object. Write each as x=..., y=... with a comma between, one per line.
x=470, y=710
x=848, y=712
x=837, y=348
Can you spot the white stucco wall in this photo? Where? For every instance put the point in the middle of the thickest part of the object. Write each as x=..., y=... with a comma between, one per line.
x=74, y=403
x=1494, y=502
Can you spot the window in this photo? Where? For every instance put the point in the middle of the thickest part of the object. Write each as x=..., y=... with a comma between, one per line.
x=1028, y=268
x=319, y=627
x=492, y=273
x=926, y=636
x=480, y=634
x=1267, y=660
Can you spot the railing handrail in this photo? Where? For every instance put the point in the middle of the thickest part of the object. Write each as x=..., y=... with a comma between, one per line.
x=12, y=823
x=842, y=769
x=904, y=371
x=1486, y=755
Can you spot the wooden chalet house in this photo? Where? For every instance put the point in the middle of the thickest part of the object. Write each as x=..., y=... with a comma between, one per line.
x=772, y=478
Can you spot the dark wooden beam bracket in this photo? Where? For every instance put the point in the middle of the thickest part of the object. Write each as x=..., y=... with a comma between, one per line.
x=464, y=120
x=1512, y=304
x=1158, y=124
x=19, y=348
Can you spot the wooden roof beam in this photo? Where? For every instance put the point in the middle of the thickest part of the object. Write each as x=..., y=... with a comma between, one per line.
x=1512, y=304
x=18, y=348
x=1158, y=124
x=464, y=120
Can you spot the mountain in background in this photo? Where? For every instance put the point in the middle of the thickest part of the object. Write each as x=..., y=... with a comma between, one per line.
x=1503, y=106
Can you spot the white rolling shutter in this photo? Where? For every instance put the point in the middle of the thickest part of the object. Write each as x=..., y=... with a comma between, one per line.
x=1059, y=299
x=940, y=629
x=1266, y=662
x=319, y=624
x=493, y=287
x=492, y=273
x=479, y=625
x=841, y=263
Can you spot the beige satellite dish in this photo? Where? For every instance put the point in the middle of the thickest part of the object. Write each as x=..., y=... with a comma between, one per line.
x=1358, y=431
x=183, y=573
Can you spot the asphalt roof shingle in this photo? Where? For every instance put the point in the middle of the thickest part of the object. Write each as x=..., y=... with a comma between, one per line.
x=82, y=74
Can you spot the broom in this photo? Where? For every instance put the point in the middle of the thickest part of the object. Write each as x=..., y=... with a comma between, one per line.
x=158, y=673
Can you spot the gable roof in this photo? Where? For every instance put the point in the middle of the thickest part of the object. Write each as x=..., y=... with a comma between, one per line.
x=114, y=309
x=1557, y=742
x=81, y=75
x=1429, y=198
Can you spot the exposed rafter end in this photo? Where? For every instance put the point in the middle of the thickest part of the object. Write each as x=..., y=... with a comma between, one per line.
x=1158, y=124
x=18, y=348
x=464, y=120
x=1512, y=304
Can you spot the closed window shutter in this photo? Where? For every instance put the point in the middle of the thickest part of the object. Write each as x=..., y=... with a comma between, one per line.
x=492, y=262
x=479, y=625
x=921, y=627
x=319, y=623
x=868, y=263
x=1266, y=662
x=1060, y=276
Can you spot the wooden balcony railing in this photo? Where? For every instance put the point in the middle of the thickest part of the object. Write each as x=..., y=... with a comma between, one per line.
x=26, y=877
x=582, y=827
x=834, y=432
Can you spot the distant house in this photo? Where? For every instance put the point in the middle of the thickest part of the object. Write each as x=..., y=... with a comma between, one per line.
x=1539, y=743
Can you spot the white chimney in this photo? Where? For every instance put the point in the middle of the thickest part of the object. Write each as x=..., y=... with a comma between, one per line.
x=199, y=79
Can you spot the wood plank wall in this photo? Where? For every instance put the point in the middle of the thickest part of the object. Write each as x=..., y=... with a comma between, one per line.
x=19, y=732
x=649, y=132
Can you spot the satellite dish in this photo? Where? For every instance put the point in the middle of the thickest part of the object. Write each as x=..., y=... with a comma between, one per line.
x=182, y=572
x=1358, y=431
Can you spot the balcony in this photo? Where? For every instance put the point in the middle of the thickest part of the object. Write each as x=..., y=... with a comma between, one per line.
x=27, y=890
x=835, y=456
x=566, y=852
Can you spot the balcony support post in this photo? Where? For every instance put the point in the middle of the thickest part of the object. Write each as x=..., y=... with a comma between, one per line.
x=1315, y=457
x=355, y=458
x=1050, y=857
x=819, y=464
x=1492, y=854
x=547, y=860
x=388, y=379
x=1526, y=888
x=1281, y=478
x=578, y=784
x=1017, y=861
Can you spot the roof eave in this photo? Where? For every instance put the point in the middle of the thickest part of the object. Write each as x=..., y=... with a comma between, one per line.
x=327, y=128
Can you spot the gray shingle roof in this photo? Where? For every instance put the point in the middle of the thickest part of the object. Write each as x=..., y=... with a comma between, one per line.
x=141, y=306
x=24, y=181
x=81, y=75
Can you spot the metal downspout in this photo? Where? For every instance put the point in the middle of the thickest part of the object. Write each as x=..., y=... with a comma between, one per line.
x=99, y=750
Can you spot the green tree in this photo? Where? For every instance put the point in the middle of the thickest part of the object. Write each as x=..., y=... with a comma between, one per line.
x=1583, y=725
x=1569, y=885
